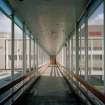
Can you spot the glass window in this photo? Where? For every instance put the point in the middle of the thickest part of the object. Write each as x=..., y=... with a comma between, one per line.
x=32, y=53
x=74, y=52
x=70, y=53
x=5, y=53
x=5, y=48
x=27, y=51
x=18, y=51
x=96, y=48
x=36, y=55
x=39, y=56
x=82, y=50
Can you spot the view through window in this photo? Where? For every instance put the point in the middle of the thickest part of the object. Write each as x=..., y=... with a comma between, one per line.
x=96, y=48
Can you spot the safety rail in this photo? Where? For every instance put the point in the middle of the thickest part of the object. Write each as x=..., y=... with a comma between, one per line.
x=82, y=83
x=27, y=80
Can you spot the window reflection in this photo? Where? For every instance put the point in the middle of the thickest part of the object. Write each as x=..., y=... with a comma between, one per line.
x=18, y=51
x=74, y=52
x=96, y=48
x=27, y=51
x=5, y=49
x=82, y=50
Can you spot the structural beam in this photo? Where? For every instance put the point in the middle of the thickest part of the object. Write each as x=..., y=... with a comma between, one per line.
x=104, y=47
x=30, y=52
x=34, y=55
x=24, y=50
x=86, y=48
x=77, y=50
x=68, y=55
x=12, y=46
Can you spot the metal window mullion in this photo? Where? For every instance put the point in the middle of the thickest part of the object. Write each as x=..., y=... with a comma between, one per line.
x=12, y=53
x=86, y=48
x=34, y=55
x=72, y=53
x=91, y=56
x=43, y=58
x=62, y=56
x=68, y=55
x=38, y=60
x=65, y=56
x=5, y=56
x=12, y=47
x=80, y=52
x=24, y=50
x=37, y=55
x=30, y=52
x=104, y=47
x=77, y=50
x=66, y=59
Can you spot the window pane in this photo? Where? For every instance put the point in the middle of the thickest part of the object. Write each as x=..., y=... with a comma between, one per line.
x=5, y=47
x=74, y=52
x=18, y=51
x=27, y=51
x=96, y=48
x=32, y=53
x=82, y=50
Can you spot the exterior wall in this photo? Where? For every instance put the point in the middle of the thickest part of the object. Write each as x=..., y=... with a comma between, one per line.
x=95, y=51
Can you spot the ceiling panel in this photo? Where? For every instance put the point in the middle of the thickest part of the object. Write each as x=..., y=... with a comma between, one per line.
x=49, y=20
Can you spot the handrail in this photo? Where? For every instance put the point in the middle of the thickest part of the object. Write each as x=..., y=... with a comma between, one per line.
x=89, y=87
x=92, y=89
x=80, y=89
x=42, y=66
x=11, y=84
x=6, y=87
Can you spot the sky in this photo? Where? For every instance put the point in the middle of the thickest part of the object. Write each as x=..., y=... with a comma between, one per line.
x=5, y=25
x=97, y=18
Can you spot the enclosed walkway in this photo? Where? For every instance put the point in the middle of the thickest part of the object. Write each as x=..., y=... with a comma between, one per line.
x=51, y=89
x=52, y=52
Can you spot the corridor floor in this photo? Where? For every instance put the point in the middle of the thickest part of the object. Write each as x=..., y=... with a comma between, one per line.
x=51, y=89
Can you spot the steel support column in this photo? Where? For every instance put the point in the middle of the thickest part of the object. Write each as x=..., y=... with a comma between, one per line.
x=80, y=53
x=24, y=50
x=30, y=52
x=34, y=55
x=104, y=47
x=77, y=50
x=65, y=55
x=86, y=48
x=72, y=53
x=68, y=55
x=12, y=53
x=37, y=55
x=12, y=47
